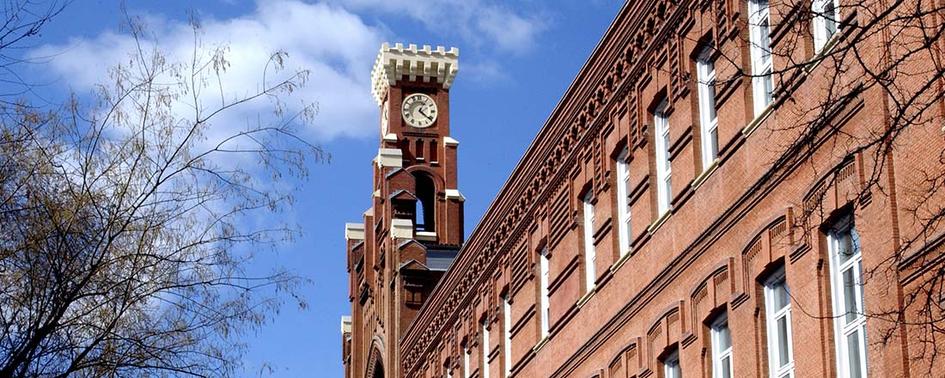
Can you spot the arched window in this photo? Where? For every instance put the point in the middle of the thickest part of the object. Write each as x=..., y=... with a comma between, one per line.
x=425, y=215
x=375, y=364
x=378, y=370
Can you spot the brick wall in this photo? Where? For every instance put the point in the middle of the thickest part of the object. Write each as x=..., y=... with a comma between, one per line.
x=729, y=227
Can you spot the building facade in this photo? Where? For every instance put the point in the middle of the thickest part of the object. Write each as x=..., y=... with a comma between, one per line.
x=706, y=200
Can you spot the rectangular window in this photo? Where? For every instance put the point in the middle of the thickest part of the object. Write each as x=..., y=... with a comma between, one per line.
x=543, y=294
x=778, y=321
x=590, y=255
x=485, y=349
x=759, y=23
x=721, y=348
x=623, y=203
x=663, y=166
x=466, y=352
x=507, y=333
x=846, y=274
x=671, y=366
x=826, y=21
x=705, y=70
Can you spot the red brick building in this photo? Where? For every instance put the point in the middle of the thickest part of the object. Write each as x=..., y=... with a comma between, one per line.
x=704, y=201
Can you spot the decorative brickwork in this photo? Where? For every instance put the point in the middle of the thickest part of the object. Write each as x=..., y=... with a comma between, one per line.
x=729, y=227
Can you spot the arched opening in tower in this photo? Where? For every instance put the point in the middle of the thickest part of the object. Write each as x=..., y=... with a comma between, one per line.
x=378, y=369
x=425, y=214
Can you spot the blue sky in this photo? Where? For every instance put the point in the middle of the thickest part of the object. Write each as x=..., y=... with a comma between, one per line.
x=516, y=60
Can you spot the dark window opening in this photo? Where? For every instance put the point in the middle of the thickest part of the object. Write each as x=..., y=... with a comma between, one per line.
x=424, y=216
x=414, y=296
x=419, y=149
x=378, y=369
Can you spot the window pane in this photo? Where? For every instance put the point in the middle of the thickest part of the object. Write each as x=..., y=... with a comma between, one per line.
x=727, y=367
x=859, y=276
x=830, y=19
x=710, y=96
x=628, y=227
x=783, y=340
x=781, y=296
x=674, y=369
x=667, y=189
x=725, y=337
x=845, y=247
x=764, y=41
x=714, y=137
x=849, y=295
x=666, y=163
x=853, y=349
x=671, y=366
x=768, y=87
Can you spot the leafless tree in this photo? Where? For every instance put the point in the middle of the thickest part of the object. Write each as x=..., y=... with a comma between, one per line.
x=128, y=225
x=22, y=22
x=829, y=57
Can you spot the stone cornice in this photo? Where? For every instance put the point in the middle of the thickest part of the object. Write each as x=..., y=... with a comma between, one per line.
x=599, y=89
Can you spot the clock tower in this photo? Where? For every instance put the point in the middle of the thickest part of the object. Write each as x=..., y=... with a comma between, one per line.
x=414, y=227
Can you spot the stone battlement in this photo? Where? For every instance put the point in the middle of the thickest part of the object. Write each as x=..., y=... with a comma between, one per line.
x=427, y=63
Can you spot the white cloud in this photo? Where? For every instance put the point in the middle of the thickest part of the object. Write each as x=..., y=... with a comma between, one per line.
x=482, y=23
x=335, y=45
x=508, y=30
x=331, y=40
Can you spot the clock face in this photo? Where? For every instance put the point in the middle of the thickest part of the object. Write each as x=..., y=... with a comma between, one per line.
x=384, y=118
x=419, y=110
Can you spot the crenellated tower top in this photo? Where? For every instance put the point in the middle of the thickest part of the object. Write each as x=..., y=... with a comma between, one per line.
x=426, y=63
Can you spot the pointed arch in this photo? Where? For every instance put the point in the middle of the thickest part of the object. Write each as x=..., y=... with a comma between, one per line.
x=375, y=365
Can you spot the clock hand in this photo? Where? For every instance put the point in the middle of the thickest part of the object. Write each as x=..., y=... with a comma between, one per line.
x=424, y=114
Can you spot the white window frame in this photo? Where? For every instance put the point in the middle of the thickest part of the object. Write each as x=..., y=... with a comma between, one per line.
x=718, y=353
x=507, y=334
x=671, y=368
x=466, y=356
x=847, y=323
x=590, y=254
x=485, y=349
x=543, y=282
x=772, y=316
x=664, y=168
x=821, y=21
x=623, y=203
x=708, y=117
x=759, y=24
